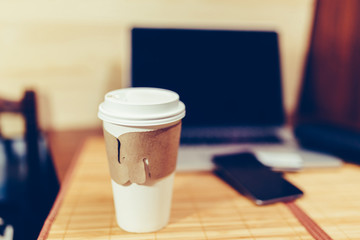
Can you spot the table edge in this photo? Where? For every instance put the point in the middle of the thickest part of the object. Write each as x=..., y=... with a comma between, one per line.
x=62, y=192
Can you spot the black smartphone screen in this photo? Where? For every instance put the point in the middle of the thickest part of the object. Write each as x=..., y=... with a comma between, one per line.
x=250, y=177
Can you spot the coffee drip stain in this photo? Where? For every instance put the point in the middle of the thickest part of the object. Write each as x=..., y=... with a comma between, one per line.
x=147, y=169
x=118, y=149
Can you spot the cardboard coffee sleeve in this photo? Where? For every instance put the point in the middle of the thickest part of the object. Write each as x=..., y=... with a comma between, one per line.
x=142, y=157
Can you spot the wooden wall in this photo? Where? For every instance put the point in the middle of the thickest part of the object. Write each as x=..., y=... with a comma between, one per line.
x=331, y=92
x=72, y=52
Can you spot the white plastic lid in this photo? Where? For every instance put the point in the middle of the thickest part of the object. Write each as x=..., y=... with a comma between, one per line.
x=141, y=107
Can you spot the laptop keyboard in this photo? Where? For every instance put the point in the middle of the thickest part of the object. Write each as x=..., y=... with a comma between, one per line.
x=221, y=136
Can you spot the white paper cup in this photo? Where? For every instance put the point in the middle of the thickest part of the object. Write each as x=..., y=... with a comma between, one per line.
x=144, y=206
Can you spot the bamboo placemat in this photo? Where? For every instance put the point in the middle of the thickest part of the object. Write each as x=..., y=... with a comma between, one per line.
x=332, y=199
x=204, y=207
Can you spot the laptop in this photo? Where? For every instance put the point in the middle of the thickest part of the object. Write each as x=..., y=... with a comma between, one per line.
x=230, y=82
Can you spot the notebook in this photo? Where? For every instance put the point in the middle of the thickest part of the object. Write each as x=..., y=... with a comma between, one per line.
x=230, y=82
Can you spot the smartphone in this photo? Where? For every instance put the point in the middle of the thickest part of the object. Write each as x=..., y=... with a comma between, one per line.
x=254, y=180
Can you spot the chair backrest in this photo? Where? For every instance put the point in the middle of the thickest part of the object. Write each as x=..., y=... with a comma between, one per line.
x=27, y=108
x=31, y=194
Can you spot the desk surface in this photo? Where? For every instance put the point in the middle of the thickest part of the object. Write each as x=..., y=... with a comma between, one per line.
x=204, y=207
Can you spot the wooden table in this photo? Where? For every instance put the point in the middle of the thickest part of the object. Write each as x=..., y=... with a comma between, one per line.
x=65, y=144
x=204, y=207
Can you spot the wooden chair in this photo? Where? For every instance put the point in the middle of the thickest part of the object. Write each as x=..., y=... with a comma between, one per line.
x=30, y=193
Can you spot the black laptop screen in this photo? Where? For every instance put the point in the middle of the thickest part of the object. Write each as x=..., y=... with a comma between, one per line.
x=225, y=78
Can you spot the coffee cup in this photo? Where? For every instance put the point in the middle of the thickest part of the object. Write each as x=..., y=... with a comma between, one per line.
x=142, y=132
